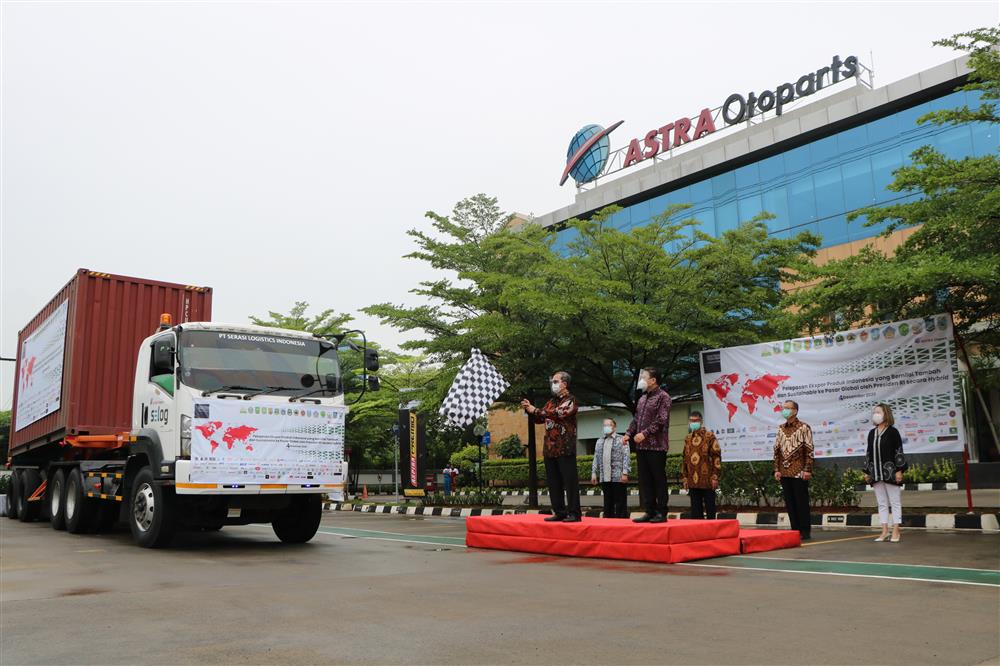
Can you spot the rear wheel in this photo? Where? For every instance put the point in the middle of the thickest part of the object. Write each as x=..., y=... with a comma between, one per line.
x=298, y=523
x=151, y=515
x=57, y=499
x=29, y=511
x=78, y=509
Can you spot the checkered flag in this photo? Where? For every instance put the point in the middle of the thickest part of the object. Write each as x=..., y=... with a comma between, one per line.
x=475, y=388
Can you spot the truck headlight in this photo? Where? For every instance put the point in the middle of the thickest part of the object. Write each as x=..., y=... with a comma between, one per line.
x=185, y=435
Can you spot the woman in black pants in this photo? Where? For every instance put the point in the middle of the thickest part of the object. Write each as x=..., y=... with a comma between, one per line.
x=611, y=467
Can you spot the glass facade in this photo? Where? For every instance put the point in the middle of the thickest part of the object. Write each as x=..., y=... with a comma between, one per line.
x=814, y=186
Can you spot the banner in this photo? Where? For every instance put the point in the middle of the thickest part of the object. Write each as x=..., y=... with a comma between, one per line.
x=836, y=380
x=248, y=442
x=40, y=369
x=412, y=452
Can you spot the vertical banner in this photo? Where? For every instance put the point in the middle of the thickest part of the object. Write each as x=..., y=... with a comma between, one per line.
x=413, y=452
x=837, y=379
x=40, y=369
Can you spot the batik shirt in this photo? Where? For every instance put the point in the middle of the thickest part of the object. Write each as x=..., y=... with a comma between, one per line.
x=793, y=449
x=559, y=417
x=702, y=462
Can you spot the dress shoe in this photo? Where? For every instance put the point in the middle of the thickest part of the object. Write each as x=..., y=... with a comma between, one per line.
x=572, y=519
x=658, y=518
x=555, y=519
x=642, y=519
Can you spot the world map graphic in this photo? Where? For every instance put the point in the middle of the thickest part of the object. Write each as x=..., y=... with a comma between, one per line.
x=752, y=391
x=230, y=436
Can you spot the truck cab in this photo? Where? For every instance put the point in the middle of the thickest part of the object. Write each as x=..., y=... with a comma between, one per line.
x=233, y=424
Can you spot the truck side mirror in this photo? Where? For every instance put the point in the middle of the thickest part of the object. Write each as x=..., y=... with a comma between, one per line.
x=334, y=383
x=163, y=357
x=371, y=360
x=374, y=384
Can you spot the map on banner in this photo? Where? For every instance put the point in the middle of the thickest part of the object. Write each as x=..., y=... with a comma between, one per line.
x=836, y=379
x=254, y=442
x=40, y=369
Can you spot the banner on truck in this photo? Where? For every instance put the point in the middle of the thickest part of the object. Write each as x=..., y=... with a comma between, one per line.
x=40, y=370
x=836, y=380
x=244, y=442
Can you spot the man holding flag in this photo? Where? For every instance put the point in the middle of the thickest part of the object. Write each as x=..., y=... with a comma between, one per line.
x=559, y=450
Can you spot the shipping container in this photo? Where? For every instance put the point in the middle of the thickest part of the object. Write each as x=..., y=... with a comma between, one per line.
x=76, y=358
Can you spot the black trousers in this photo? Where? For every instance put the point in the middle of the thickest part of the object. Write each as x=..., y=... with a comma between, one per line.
x=796, y=492
x=615, y=505
x=652, y=480
x=702, y=502
x=564, y=485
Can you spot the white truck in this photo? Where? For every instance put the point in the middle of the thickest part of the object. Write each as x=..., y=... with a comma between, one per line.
x=229, y=424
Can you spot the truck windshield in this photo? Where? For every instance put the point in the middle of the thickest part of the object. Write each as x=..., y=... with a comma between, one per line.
x=210, y=360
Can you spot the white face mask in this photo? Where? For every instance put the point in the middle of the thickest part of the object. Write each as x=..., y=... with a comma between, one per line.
x=556, y=388
x=641, y=385
x=877, y=418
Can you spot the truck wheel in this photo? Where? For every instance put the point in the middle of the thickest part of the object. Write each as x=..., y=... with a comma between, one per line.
x=30, y=480
x=14, y=493
x=78, y=509
x=57, y=499
x=299, y=522
x=151, y=515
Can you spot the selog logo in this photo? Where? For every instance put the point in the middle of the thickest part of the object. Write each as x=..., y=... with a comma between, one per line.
x=159, y=414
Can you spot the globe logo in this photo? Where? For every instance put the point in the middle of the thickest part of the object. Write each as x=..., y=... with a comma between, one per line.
x=588, y=153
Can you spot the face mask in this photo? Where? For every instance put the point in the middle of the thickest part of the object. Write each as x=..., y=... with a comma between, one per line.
x=694, y=426
x=556, y=387
x=787, y=413
x=642, y=385
x=607, y=430
x=877, y=418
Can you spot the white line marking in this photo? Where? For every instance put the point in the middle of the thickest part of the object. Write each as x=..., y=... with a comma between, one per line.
x=891, y=564
x=835, y=573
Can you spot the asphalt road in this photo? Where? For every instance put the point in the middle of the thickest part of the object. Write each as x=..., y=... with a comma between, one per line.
x=397, y=589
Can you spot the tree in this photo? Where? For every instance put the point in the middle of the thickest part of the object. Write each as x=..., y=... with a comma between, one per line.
x=5, y=418
x=608, y=305
x=510, y=447
x=951, y=262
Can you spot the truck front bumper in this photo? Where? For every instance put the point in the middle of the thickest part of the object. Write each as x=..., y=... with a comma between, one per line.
x=184, y=486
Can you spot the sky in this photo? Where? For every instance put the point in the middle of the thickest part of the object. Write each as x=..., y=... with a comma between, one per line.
x=279, y=151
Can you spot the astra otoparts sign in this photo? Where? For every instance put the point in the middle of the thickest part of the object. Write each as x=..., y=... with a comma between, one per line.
x=588, y=151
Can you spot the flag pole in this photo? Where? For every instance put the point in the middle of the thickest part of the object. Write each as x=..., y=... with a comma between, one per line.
x=532, y=459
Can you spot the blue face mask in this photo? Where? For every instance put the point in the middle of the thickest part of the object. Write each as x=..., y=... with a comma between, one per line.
x=694, y=426
x=608, y=430
x=787, y=413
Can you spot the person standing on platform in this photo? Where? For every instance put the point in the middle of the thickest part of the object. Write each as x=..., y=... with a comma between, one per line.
x=701, y=467
x=611, y=467
x=649, y=432
x=793, y=463
x=884, y=467
x=559, y=449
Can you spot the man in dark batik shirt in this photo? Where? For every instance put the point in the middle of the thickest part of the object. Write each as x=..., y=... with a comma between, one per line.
x=559, y=449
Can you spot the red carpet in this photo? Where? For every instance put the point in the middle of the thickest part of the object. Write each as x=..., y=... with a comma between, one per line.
x=618, y=539
x=756, y=541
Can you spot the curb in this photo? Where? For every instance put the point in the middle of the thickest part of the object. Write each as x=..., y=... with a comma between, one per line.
x=986, y=522
x=910, y=487
x=921, y=487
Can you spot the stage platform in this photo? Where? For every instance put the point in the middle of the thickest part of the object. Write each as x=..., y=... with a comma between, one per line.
x=621, y=539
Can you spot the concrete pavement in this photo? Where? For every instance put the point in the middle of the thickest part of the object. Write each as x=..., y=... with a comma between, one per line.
x=396, y=589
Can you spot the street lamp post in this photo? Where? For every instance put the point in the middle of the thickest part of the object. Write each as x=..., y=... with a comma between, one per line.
x=395, y=461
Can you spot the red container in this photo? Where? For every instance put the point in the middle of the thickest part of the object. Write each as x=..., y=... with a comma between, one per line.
x=107, y=317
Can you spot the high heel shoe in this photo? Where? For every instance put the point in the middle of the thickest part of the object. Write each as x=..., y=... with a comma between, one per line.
x=895, y=539
x=881, y=538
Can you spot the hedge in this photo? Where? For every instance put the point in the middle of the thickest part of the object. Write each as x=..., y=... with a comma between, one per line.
x=514, y=471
